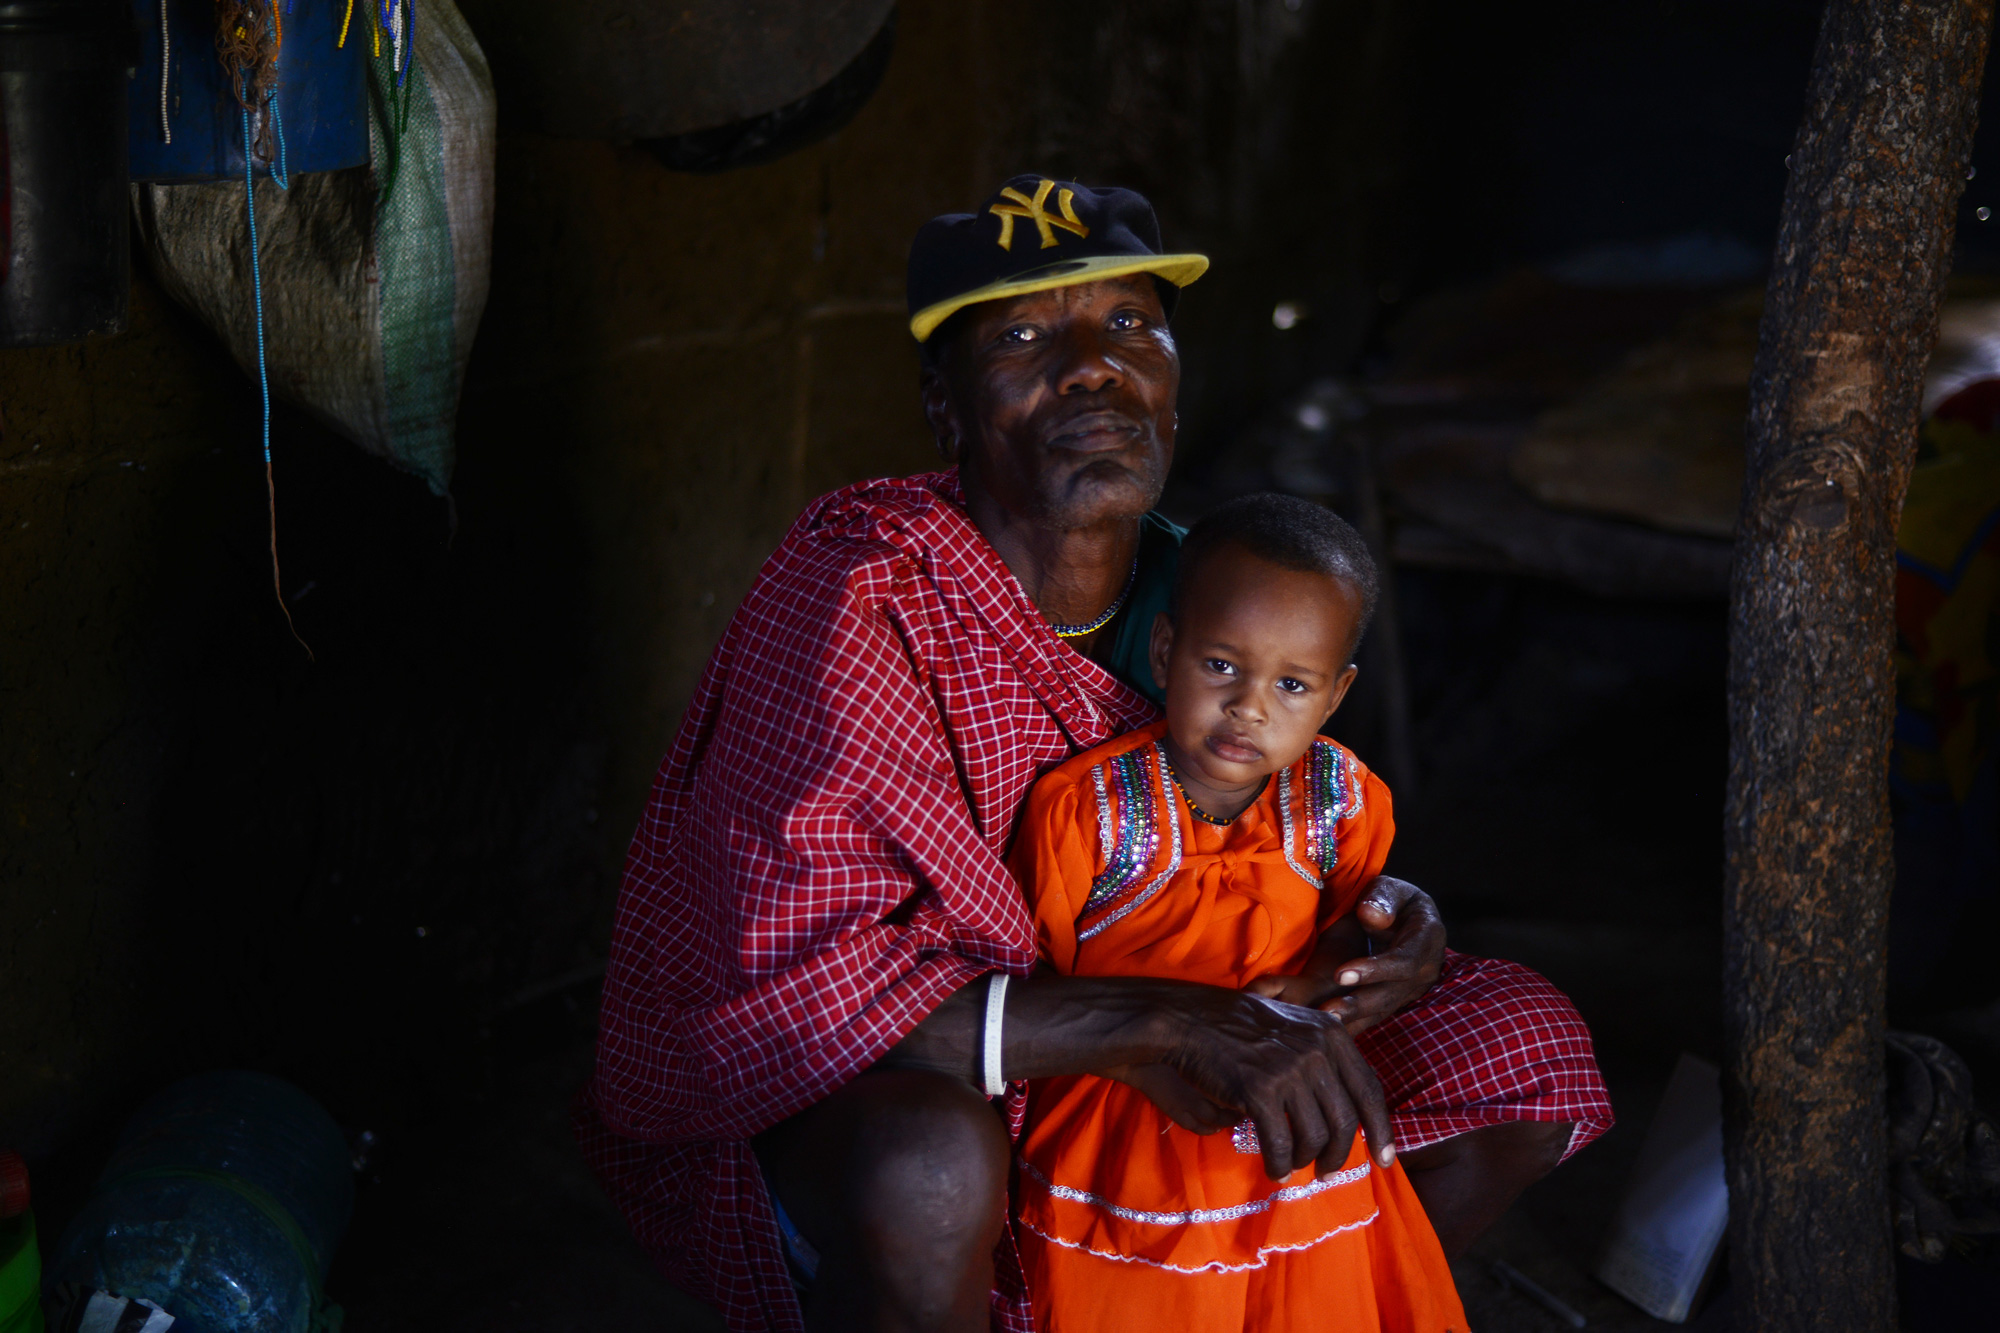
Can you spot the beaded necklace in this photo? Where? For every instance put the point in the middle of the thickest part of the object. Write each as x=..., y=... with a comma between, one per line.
x=1202, y=814
x=1078, y=631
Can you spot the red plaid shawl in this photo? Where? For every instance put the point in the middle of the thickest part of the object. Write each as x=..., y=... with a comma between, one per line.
x=820, y=864
x=860, y=743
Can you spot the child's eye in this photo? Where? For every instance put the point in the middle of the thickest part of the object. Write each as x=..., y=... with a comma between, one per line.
x=1220, y=667
x=1290, y=686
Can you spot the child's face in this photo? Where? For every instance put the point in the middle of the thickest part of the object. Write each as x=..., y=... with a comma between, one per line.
x=1256, y=664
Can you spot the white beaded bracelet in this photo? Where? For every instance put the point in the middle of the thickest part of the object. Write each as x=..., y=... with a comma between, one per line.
x=996, y=1011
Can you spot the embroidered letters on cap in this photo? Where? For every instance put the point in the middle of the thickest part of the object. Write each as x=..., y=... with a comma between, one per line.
x=1031, y=209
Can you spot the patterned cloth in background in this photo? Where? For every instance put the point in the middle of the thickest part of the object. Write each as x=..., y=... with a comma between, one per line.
x=1948, y=600
x=1947, y=703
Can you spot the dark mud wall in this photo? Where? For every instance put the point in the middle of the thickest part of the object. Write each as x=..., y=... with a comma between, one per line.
x=352, y=871
x=363, y=872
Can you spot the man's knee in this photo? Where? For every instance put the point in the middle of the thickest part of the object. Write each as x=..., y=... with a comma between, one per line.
x=1531, y=1148
x=899, y=1181
x=929, y=1157
x=897, y=1158
x=1492, y=1032
x=1517, y=1151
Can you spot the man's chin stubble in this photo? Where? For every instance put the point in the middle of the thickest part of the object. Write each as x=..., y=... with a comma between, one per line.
x=1088, y=500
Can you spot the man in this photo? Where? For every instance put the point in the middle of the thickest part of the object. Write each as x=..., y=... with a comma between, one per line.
x=798, y=1020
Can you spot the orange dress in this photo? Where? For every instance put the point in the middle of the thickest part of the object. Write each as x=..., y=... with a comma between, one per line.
x=1125, y=1220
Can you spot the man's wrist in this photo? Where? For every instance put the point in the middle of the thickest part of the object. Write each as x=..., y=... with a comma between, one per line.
x=1086, y=1025
x=1161, y=1037
x=1163, y=1033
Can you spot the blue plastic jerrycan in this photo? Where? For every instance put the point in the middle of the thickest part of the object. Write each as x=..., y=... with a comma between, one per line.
x=222, y=1203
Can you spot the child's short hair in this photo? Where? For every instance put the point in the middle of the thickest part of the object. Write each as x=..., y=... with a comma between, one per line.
x=1289, y=532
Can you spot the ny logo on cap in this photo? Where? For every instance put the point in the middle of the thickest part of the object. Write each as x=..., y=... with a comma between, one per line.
x=1031, y=209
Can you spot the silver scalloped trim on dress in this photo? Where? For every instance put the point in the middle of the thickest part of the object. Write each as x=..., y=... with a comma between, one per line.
x=1173, y=819
x=1195, y=1217
x=1263, y=1251
x=1104, y=843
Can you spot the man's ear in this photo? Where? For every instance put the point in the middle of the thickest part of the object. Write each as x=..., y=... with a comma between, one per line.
x=938, y=414
x=1163, y=647
x=1342, y=683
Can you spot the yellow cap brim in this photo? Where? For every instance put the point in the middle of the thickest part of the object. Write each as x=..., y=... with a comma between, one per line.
x=1180, y=270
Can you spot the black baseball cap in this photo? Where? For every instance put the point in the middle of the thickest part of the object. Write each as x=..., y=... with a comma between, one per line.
x=1036, y=234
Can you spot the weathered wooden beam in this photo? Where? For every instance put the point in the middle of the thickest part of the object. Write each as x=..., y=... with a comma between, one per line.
x=1864, y=244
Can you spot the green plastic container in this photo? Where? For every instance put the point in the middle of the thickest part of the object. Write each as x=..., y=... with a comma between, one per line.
x=20, y=1276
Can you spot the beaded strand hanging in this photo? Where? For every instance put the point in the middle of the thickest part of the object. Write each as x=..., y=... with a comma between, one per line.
x=395, y=22
x=248, y=39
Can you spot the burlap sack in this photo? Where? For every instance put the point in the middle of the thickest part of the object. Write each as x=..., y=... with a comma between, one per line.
x=374, y=278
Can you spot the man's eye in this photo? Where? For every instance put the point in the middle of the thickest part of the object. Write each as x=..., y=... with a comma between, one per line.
x=1020, y=333
x=1126, y=319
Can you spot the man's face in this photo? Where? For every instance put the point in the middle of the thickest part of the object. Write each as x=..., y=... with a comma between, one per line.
x=1061, y=403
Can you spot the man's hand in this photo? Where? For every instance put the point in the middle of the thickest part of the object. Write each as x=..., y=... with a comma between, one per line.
x=1206, y=1055
x=1372, y=965
x=1293, y=1071
x=1179, y=1100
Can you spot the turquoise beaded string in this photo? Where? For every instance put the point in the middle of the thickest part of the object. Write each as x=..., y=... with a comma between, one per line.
x=283, y=177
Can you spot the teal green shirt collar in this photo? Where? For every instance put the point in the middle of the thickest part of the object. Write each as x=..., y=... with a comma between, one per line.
x=1132, y=631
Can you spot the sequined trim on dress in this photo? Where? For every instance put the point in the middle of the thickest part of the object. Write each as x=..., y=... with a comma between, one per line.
x=1202, y=1216
x=1332, y=795
x=1137, y=823
x=1285, y=834
x=1131, y=840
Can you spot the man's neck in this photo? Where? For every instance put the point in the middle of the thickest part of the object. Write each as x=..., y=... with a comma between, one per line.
x=1071, y=575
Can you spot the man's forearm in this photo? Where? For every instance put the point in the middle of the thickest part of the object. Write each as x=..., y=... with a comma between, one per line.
x=1054, y=1025
x=1205, y=1054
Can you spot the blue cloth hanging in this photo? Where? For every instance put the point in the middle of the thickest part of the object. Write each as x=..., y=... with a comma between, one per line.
x=321, y=87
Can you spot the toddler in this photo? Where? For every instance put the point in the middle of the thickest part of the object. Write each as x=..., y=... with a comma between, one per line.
x=1223, y=844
